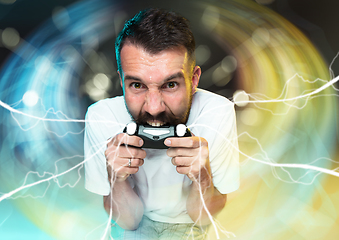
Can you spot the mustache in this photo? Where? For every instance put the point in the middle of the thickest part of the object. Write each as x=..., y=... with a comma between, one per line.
x=168, y=118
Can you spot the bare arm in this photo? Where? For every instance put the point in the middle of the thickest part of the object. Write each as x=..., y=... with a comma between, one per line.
x=123, y=203
x=127, y=208
x=203, y=195
x=191, y=157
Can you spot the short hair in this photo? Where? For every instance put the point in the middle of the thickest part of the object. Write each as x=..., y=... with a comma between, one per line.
x=156, y=30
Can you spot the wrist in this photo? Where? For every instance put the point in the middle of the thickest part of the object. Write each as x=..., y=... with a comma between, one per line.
x=114, y=178
x=204, y=186
x=204, y=178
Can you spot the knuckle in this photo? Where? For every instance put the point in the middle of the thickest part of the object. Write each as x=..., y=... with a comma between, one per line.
x=107, y=154
x=205, y=142
x=191, y=142
x=174, y=161
x=180, y=151
x=144, y=154
x=138, y=153
x=201, y=142
x=169, y=152
x=119, y=138
x=205, y=151
x=115, y=139
x=131, y=151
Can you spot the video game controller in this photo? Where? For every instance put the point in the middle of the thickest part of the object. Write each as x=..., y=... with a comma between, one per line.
x=154, y=137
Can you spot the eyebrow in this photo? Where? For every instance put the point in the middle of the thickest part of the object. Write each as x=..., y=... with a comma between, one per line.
x=128, y=77
x=173, y=76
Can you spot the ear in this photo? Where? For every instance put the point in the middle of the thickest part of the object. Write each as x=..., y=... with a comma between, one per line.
x=121, y=83
x=195, y=78
x=120, y=79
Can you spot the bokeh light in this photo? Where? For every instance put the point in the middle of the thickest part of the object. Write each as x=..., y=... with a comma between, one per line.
x=247, y=53
x=30, y=98
x=10, y=37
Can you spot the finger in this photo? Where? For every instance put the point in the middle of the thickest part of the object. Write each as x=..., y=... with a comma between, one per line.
x=122, y=178
x=130, y=152
x=134, y=162
x=183, y=152
x=118, y=163
x=188, y=172
x=183, y=161
x=183, y=169
x=116, y=176
x=125, y=139
x=122, y=170
x=121, y=164
x=187, y=142
x=117, y=171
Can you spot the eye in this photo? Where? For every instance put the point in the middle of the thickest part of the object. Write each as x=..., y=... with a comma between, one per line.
x=171, y=85
x=136, y=85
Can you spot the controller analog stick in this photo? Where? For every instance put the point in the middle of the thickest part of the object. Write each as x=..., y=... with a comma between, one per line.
x=181, y=130
x=131, y=128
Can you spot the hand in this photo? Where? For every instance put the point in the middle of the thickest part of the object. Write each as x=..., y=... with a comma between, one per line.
x=123, y=156
x=190, y=155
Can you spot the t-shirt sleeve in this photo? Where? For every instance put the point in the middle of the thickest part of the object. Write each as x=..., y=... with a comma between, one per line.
x=224, y=151
x=96, y=178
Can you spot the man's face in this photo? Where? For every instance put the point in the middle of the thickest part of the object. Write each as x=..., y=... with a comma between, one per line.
x=158, y=88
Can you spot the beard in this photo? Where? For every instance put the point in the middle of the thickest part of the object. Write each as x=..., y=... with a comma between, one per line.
x=168, y=118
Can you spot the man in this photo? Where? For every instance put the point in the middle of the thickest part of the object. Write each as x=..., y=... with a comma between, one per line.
x=161, y=193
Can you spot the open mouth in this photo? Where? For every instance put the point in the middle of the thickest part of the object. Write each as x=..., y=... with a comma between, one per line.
x=155, y=123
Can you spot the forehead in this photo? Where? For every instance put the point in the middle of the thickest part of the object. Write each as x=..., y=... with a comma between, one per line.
x=137, y=59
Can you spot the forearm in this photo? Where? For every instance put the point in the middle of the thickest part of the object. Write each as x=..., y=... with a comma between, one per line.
x=204, y=201
x=126, y=206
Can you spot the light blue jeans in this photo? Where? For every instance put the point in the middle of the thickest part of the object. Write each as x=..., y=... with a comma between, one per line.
x=152, y=230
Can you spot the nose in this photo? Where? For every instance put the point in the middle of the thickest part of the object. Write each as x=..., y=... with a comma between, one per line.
x=154, y=103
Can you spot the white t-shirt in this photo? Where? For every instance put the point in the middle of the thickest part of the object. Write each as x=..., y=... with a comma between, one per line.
x=161, y=188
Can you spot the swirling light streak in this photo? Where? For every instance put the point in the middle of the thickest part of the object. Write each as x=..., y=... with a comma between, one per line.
x=53, y=177
x=274, y=164
x=268, y=50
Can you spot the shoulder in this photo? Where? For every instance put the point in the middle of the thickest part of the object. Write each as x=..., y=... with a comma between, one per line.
x=206, y=100
x=208, y=97
x=211, y=110
x=107, y=106
x=111, y=110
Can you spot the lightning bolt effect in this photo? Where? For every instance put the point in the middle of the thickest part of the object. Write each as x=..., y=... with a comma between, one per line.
x=287, y=126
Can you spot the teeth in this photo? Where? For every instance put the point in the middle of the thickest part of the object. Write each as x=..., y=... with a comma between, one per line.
x=155, y=124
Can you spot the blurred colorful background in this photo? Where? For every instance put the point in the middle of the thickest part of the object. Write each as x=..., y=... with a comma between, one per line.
x=276, y=59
